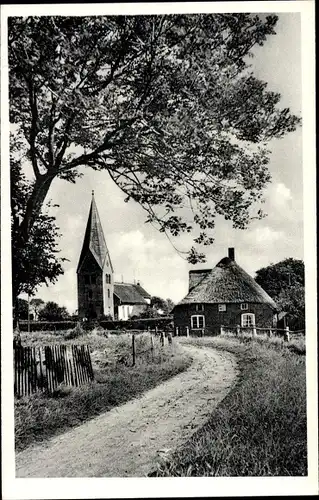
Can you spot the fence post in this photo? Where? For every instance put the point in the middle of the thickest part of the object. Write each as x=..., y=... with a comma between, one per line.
x=133, y=348
x=176, y=331
x=187, y=331
x=270, y=333
x=162, y=338
x=254, y=331
x=286, y=335
x=221, y=330
x=238, y=330
x=152, y=345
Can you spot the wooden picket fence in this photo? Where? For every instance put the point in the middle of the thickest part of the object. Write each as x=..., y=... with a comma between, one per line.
x=45, y=368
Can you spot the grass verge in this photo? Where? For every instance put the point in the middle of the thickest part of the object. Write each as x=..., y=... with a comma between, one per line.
x=39, y=417
x=259, y=429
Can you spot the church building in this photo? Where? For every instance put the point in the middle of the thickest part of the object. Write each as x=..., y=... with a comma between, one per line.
x=98, y=295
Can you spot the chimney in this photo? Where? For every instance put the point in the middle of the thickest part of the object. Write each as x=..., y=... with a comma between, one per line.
x=231, y=253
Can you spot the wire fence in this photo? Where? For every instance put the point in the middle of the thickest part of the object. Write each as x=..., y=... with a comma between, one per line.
x=152, y=341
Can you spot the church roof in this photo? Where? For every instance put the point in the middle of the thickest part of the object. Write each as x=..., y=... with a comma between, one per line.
x=227, y=283
x=130, y=294
x=142, y=291
x=94, y=240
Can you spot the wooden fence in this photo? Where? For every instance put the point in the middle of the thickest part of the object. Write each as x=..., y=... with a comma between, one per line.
x=44, y=368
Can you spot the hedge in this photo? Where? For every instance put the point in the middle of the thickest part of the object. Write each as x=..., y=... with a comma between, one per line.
x=133, y=324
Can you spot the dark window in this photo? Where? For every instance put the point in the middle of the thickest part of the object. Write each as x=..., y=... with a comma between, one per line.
x=108, y=293
x=199, y=307
x=93, y=280
x=87, y=279
x=108, y=278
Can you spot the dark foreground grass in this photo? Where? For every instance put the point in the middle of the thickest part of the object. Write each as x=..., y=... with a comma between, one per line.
x=40, y=417
x=260, y=427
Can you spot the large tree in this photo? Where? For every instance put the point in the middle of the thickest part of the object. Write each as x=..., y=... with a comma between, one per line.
x=279, y=277
x=37, y=261
x=51, y=311
x=285, y=283
x=168, y=105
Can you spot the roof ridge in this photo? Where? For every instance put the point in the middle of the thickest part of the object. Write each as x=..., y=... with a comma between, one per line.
x=227, y=282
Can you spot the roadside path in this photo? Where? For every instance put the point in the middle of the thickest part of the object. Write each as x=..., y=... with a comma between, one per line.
x=130, y=439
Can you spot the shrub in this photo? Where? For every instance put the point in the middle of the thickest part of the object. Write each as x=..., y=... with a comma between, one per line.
x=74, y=333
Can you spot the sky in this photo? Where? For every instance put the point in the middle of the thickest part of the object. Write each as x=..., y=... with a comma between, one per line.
x=138, y=251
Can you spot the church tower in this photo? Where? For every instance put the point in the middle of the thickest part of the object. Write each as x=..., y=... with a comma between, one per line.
x=95, y=271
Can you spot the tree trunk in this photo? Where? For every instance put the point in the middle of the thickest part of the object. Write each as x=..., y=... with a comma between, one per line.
x=34, y=206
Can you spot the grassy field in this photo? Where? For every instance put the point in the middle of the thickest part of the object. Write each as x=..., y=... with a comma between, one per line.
x=39, y=416
x=260, y=427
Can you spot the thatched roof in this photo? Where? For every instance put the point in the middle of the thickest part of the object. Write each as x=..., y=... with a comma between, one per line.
x=142, y=291
x=129, y=293
x=227, y=283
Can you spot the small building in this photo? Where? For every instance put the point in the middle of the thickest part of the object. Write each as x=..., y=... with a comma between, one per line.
x=130, y=300
x=223, y=296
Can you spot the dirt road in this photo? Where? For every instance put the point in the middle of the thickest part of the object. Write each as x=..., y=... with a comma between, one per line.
x=129, y=440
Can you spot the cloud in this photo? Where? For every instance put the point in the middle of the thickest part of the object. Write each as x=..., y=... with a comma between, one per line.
x=278, y=197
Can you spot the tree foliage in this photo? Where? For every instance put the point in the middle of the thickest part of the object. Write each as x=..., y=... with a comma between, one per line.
x=277, y=278
x=23, y=308
x=36, y=262
x=36, y=305
x=168, y=105
x=162, y=306
x=53, y=312
x=285, y=283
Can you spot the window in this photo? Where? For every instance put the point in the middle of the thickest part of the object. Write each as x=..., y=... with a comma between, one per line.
x=108, y=278
x=247, y=320
x=221, y=307
x=244, y=307
x=108, y=293
x=93, y=280
x=87, y=279
x=197, y=321
x=199, y=307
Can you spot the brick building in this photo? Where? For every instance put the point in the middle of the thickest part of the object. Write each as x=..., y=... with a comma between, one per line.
x=98, y=295
x=223, y=296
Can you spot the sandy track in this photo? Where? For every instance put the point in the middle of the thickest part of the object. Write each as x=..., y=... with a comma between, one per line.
x=128, y=440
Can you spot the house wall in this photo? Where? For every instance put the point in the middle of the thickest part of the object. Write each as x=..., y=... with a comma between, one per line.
x=108, y=289
x=264, y=317
x=127, y=311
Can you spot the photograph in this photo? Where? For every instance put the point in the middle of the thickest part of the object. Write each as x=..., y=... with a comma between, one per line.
x=158, y=250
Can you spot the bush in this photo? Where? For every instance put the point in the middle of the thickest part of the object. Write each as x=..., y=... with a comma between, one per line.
x=52, y=326
x=74, y=333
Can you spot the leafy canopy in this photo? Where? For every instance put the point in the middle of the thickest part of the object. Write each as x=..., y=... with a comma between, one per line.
x=53, y=312
x=285, y=283
x=276, y=278
x=168, y=105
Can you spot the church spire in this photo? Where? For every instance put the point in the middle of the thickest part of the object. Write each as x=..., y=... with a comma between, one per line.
x=94, y=240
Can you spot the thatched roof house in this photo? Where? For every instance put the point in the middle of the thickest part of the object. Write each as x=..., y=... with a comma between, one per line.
x=225, y=295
